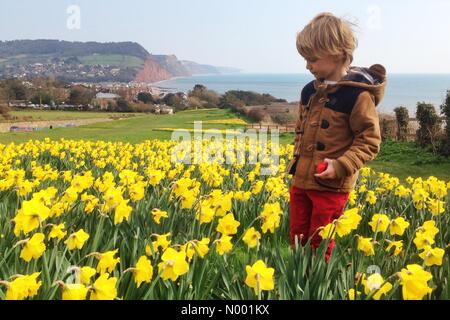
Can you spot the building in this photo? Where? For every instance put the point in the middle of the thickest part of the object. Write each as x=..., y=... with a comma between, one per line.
x=162, y=109
x=102, y=100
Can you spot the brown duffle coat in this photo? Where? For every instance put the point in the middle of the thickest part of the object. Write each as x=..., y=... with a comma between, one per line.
x=338, y=121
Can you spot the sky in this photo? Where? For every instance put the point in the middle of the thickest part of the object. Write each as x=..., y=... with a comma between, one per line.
x=256, y=36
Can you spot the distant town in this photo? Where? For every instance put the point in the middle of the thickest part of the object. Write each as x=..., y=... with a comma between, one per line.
x=70, y=69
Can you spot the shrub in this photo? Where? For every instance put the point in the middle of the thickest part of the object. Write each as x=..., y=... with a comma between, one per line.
x=402, y=116
x=257, y=114
x=429, y=125
x=283, y=118
x=445, y=110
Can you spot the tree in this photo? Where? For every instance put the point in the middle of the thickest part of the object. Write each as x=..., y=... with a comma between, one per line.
x=175, y=100
x=251, y=98
x=42, y=97
x=14, y=90
x=123, y=106
x=429, y=125
x=208, y=98
x=145, y=97
x=445, y=110
x=194, y=102
x=4, y=109
x=80, y=95
x=401, y=114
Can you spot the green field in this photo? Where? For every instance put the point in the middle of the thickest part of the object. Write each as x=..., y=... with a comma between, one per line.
x=112, y=60
x=399, y=159
x=92, y=59
x=42, y=115
x=132, y=130
x=26, y=59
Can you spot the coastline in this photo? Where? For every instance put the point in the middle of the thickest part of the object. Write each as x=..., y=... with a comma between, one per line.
x=403, y=89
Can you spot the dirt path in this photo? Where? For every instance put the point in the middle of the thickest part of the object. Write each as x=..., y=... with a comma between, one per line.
x=45, y=124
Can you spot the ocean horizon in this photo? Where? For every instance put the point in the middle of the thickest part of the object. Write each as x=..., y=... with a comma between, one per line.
x=401, y=90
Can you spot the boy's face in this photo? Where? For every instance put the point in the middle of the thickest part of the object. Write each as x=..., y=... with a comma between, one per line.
x=324, y=67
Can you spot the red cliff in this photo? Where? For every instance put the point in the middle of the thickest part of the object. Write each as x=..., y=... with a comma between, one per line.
x=152, y=72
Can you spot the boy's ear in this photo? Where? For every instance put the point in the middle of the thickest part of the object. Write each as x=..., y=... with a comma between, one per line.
x=341, y=58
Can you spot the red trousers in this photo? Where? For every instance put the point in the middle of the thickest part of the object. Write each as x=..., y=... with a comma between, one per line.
x=312, y=209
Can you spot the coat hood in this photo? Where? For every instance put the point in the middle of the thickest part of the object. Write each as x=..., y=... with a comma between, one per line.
x=373, y=79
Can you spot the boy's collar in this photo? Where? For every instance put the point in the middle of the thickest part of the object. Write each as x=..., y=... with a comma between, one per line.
x=321, y=86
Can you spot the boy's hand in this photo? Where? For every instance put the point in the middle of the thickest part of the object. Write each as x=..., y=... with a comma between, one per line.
x=330, y=172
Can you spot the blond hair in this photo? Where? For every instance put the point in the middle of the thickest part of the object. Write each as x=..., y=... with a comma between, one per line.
x=327, y=34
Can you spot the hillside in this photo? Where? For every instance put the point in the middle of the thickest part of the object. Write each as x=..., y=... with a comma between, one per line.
x=92, y=62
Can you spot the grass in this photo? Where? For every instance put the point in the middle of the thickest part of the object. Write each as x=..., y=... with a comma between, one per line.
x=112, y=60
x=42, y=115
x=405, y=159
x=118, y=60
x=401, y=159
x=133, y=130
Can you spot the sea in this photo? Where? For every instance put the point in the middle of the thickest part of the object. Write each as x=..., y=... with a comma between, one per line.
x=401, y=90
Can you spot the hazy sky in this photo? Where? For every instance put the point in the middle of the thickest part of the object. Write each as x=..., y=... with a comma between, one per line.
x=407, y=36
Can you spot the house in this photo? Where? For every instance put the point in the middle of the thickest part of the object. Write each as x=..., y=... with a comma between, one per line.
x=166, y=110
x=103, y=99
x=163, y=109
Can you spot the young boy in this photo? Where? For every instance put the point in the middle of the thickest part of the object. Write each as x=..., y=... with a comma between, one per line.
x=337, y=129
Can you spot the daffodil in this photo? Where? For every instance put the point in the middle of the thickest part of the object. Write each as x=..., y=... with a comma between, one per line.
x=122, y=212
x=155, y=177
x=352, y=216
x=57, y=232
x=77, y=240
x=398, y=226
x=74, y=291
x=366, y=245
x=345, y=224
x=423, y=240
x=85, y=274
x=188, y=198
x=328, y=232
x=397, y=245
x=429, y=227
x=205, y=212
x=259, y=277
x=379, y=223
x=107, y=262
x=414, y=281
x=402, y=192
x=436, y=206
x=22, y=287
x=143, y=272
x=173, y=264
x=160, y=242
x=371, y=198
x=352, y=294
x=432, y=256
x=228, y=225
x=136, y=191
x=223, y=205
x=223, y=244
x=158, y=214
x=90, y=202
x=375, y=284
x=29, y=217
x=34, y=248
x=104, y=288
x=201, y=247
x=252, y=237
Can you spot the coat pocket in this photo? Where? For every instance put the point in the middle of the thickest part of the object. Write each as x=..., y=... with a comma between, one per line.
x=336, y=183
x=292, y=166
